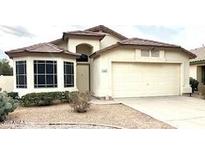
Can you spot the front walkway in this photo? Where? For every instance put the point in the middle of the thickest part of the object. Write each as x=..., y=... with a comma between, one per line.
x=178, y=111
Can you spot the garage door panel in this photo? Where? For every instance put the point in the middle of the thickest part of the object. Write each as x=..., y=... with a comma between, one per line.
x=144, y=79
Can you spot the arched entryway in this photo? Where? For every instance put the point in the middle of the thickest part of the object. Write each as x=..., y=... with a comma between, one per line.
x=85, y=50
x=83, y=67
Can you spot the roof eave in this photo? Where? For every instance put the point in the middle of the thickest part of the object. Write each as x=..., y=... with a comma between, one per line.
x=100, y=37
x=105, y=49
x=191, y=55
x=197, y=62
x=13, y=54
x=108, y=30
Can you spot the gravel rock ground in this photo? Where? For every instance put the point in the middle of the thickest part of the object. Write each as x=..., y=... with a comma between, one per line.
x=99, y=116
x=54, y=126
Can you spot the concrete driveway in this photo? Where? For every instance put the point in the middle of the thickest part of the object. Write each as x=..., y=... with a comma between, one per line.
x=178, y=111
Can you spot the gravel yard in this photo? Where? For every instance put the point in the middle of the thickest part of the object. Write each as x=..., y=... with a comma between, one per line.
x=99, y=116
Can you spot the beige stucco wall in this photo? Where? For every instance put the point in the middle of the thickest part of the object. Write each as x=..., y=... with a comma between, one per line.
x=7, y=83
x=95, y=77
x=108, y=40
x=103, y=64
x=96, y=44
x=30, y=75
x=73, y=42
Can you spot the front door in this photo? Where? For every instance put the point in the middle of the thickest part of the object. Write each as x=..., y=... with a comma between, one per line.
x=83, y=77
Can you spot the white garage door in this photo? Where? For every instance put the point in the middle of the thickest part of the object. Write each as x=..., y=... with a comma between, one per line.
x=145, y=79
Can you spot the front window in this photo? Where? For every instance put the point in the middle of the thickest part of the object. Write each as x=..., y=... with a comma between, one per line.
x=21, y=77
x=45, y=74
x=68, y=74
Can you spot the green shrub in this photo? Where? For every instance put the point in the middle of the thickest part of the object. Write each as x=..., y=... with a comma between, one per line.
x=79, y=101
x=62, y=96
x=13, y=95
x=7, y=104
x=44, y=98
x=194, y=84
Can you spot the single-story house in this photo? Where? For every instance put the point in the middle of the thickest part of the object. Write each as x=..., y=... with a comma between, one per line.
x=197, y=65
x=104, y=62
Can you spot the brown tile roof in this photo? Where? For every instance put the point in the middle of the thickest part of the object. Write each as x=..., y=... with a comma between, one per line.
x=98, y=35
x=142, y=42
x=145, y=42
x=80, y=32
x=102, y=28
x=105, y=49
x=41, y=48
x=200, y=53
x=56, y=41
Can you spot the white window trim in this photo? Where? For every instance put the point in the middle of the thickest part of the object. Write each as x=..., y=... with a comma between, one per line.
x=66, y=63
x=151, y=51
x=44, y=74
x=145, y=50
x=24, y=74
x=150, y=54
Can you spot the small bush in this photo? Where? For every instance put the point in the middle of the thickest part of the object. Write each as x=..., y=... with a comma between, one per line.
x=7, y=104
x=13, y=95
x=44, y=98
x=79, y=101
x=194, y=84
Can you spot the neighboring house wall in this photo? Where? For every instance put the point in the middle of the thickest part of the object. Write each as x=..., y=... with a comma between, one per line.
x=6, y=83
x=108, y=40
x=199, y=74
x=103, y=63
x=193, y=71
x=30, y=75
x=196, y=72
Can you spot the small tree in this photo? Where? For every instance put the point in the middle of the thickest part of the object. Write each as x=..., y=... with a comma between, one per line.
x=79, y=101
x=5, y=68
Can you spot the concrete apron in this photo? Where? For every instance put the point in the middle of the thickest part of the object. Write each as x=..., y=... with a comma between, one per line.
x=98, y=101
x=178, y=111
